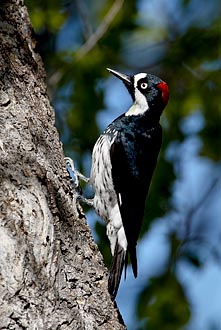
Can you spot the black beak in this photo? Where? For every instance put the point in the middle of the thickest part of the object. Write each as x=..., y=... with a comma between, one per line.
x=124, y=77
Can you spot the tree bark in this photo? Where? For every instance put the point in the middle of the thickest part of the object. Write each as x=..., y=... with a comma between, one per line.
x=52, y=275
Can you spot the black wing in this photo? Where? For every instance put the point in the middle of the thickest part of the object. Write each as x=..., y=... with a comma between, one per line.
x=133, y=160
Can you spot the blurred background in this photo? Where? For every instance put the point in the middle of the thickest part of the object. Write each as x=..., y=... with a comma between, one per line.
x=179, y=251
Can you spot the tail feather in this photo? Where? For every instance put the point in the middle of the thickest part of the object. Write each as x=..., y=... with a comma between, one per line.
x=133, y=259
x=116, y=270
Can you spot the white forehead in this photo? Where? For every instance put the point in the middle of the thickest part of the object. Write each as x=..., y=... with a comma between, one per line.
x=139, y=76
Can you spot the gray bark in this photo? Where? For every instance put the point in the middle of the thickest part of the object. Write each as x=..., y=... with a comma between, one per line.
x=52, y=275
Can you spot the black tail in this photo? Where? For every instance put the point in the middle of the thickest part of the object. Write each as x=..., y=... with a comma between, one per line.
x=133, y=259
x=116, y=270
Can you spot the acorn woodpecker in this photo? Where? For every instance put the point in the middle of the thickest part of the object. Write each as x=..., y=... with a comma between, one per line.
x=123, y=161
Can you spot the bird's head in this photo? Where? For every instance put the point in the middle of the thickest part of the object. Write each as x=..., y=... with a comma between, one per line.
x=148, y=92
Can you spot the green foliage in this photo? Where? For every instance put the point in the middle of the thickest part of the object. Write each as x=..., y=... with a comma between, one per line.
x=187, y=56
x=163, y=304
x=46, y=14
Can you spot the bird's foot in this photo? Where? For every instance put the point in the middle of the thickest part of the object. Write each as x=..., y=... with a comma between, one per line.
x=74, y=176
x=87, y=201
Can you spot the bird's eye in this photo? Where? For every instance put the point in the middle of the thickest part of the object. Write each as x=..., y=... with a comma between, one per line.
x=143, y=85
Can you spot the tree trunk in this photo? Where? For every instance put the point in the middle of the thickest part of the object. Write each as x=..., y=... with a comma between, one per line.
x=52, y=275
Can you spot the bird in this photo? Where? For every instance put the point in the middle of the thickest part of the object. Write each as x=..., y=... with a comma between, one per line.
x=123, y=161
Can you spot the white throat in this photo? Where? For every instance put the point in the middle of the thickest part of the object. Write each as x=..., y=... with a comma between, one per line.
x=136, y=109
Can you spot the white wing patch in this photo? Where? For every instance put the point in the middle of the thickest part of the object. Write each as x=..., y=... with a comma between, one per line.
x=120, y=199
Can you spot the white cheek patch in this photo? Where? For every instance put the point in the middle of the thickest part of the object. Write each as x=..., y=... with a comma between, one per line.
x=140, y=105
x=141, y=100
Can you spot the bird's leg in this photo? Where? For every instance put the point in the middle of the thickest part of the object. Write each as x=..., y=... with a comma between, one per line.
x=88, y=201
x=74, y=176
